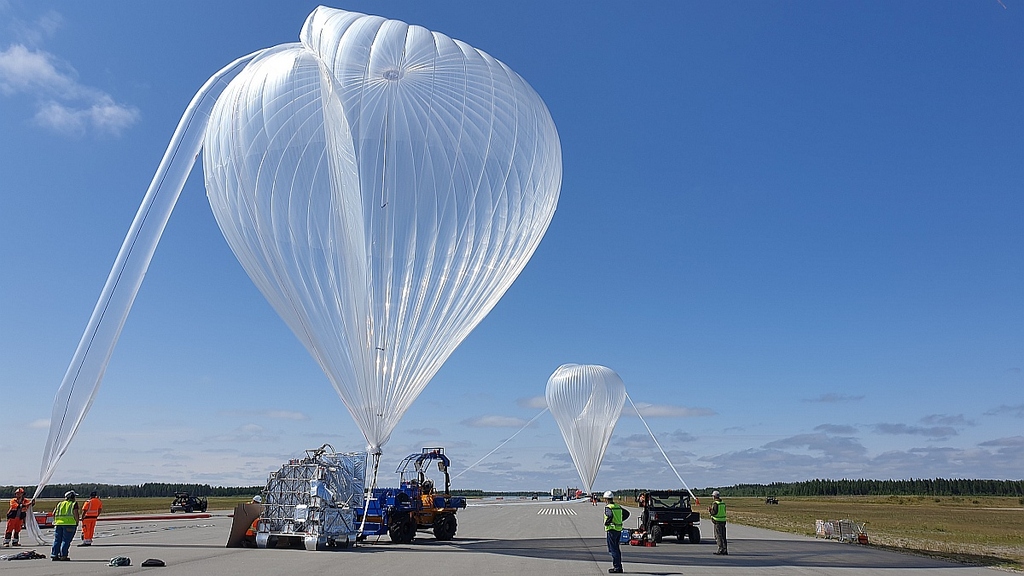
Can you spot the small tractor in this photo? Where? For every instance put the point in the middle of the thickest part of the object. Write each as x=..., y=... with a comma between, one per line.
x=668, y=512
x=416, y=504
x=183, y=502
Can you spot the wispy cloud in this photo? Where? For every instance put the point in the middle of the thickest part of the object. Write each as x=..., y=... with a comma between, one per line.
x=40, y=424
x=63, y=104
x=834, y=398
x=820, y=457
x=285, y=415
x=428, y=432
x=680, y=436
x=494, y=422
x=927, y=431
x=534, y=402
x=946, y=420
x=835, y=447
x=1017, y=411
x=1013, y=441
x=836, y=429
x=667, y=411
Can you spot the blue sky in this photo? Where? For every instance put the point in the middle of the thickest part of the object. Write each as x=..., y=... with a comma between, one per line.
x=794, y=229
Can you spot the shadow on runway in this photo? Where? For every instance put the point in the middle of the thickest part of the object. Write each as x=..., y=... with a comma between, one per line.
x=742, y=553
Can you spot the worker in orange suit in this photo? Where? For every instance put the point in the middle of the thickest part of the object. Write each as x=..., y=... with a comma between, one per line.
x=90, y=512
x=16, y=517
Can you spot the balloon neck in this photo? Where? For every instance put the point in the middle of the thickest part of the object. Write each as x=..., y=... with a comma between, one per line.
x=373, y=450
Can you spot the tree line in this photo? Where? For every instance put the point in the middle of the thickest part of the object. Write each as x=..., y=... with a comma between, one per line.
x=911, y=487
x=147, y=490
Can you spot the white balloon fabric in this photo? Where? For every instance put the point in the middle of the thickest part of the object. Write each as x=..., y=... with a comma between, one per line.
x=382, y=185
x=586, y=401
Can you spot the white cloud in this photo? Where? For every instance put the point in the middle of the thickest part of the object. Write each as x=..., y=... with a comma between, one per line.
x=494, y=422
x=286, y=415
x=668, y=411
x=427, y=432
x=40, y=424
x=62, y=103
x=534, y=402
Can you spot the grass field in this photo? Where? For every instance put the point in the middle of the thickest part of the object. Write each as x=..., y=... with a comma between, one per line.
x=144, y=505
x=980, y=530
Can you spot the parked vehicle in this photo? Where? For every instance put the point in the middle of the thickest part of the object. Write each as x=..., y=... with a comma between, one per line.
x=667, y=512
x=184, y=502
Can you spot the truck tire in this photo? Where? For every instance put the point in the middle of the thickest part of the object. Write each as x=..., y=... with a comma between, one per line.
x=445, y=526
x=402, y=529
x=694, y=535
x=655, y=533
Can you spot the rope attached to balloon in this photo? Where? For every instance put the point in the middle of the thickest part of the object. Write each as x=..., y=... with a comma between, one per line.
x=658, y=444
x=525, y=426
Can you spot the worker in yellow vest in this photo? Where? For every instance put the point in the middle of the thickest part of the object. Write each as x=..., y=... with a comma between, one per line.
x=90, y=512
x=717, y=511
x=614, y=515
x=65, y=522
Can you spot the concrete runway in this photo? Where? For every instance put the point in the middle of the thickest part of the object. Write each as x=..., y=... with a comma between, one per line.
x=533, y=537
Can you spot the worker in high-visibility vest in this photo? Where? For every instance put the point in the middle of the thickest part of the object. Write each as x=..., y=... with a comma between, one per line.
x=65, y=522
x=717, y=511
x=250, y=533
x=614, y=515
x=90, y=512
x=16, y=517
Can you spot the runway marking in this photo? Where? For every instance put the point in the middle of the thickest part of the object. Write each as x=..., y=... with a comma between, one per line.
x=557, y=512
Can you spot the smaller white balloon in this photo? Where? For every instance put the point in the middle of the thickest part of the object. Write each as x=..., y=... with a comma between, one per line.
x=586, y=401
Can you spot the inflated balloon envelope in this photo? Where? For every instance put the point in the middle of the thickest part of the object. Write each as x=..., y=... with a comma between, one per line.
x=586, y=401
x=383, y=185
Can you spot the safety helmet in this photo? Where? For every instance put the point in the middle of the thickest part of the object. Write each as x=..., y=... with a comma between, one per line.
x=257, y=499
x=92, y=494
x=70, y=494
x=19, y=491
x=609, y=494
x=715, y=494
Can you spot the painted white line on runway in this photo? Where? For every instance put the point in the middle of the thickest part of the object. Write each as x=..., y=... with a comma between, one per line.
x=557, y=512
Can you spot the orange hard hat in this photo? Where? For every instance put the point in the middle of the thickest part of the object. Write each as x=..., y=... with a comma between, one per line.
x=19, y=491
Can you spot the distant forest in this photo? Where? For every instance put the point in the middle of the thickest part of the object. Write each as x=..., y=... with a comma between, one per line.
x=912, y=487
x=148, y=490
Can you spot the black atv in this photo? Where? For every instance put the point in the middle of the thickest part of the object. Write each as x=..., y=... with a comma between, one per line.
x=183, y=502
x=668, y=512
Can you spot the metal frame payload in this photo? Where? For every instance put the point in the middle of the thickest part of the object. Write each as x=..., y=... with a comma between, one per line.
x=313, y=502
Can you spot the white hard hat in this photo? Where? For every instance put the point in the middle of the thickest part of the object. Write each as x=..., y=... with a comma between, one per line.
x=257, y=499
x=715, y=494
x=70, y=494
x=609, y=494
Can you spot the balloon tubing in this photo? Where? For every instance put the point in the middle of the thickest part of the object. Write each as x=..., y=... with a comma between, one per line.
x=502, y=444
x=369, y=491
x=84, y=374
x=658, y=444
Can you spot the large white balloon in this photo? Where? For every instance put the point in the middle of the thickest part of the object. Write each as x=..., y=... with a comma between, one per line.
x=383, y=185
x=586, y=401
